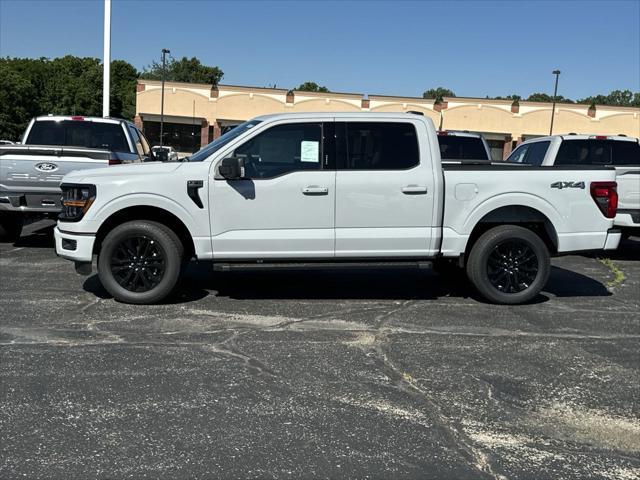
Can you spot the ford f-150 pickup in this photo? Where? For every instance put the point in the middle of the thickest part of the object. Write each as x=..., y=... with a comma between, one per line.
x=320, y=188
x=51, y=147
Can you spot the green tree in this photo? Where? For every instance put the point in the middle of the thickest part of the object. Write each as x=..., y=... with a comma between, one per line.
x=65, y=86
x=189, y=70
x=123, y=89
x=618, y=98
x=543, y=97
x=438, y=94
x=18, y=101
x=311, y=87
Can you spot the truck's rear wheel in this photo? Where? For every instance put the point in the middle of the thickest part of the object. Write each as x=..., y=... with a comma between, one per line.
x=10, y=226
x=140, y=262
x=509, y=264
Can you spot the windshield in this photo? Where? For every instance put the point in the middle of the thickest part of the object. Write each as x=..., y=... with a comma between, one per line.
x=221, y=141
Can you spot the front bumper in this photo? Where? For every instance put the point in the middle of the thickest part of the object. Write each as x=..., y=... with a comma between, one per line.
x=72, y=246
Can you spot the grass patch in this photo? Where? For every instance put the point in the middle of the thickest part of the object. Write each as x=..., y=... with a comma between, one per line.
x=618, y=275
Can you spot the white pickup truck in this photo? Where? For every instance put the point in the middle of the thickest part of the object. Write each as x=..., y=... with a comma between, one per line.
x=618, y=151
x=320, y=188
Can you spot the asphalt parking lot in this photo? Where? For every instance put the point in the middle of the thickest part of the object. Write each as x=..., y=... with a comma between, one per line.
x=327, y=374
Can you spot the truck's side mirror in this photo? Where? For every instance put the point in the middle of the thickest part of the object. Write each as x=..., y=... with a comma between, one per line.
x=232, y=168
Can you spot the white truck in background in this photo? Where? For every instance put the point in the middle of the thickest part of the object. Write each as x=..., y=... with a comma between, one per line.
x=51, y=147
x=617, y=151
x=323, y=188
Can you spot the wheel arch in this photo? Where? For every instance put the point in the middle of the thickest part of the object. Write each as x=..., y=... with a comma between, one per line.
x=151, y=213
x=521, y=215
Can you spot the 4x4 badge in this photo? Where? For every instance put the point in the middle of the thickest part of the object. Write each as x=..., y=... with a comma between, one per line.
x=562, y=185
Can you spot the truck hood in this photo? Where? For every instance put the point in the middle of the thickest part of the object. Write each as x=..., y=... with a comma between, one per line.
x=119, y=172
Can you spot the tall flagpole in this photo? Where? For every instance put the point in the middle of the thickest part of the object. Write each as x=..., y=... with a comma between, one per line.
x=106, y=59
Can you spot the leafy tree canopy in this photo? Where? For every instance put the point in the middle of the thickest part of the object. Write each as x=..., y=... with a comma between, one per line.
x=311, y=87
x=185, y=69
x=65, y=86
x=438, y=93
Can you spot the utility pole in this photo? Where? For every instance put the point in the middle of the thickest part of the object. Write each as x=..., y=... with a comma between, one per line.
x=555, y=93
x=106, y=59
x=164, y=53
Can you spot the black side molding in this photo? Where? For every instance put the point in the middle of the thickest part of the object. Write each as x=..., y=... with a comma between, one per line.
x=192, y=190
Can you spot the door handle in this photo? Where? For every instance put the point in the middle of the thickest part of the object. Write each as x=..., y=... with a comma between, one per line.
x=315, y=190
x=414, y=189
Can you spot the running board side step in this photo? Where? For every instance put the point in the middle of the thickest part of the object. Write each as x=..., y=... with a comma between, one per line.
x=261, y=265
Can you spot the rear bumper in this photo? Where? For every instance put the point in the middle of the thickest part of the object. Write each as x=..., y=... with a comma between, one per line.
x=78, y=248
x=627, y=218
x=613, y=239
x=28, y=202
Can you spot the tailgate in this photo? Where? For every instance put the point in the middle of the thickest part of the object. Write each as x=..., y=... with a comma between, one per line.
x=33, y=169
x=628, y=179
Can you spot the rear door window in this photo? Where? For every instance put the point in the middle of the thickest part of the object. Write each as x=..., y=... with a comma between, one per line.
x=78, y=133
x=377, y=145
x=453, y=147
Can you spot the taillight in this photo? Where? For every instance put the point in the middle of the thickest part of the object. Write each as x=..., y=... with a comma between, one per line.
x=605, y=194
x=115, y=161
x=599, y=137
x=77, y=117
x=443, y=133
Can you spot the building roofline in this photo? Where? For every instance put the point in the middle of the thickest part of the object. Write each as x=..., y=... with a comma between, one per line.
x=303, y=93
x=398, y=97
x=227, y=87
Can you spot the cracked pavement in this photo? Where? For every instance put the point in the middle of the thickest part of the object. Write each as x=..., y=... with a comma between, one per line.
x=361, y=373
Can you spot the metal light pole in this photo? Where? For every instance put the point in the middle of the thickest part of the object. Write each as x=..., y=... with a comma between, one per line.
x=164, y=53
x=555, y=93
x=106, y=59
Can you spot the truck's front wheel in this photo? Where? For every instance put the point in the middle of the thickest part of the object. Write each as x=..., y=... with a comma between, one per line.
x=509, y=264
x=140, y=262
x=10, y=226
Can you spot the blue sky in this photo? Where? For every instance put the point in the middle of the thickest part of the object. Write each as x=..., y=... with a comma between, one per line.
x=475, y=48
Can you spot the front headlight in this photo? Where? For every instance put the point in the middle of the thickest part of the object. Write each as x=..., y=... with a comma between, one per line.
x=76, y=200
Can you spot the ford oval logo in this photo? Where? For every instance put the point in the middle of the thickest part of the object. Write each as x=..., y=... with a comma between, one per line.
x=46, y=167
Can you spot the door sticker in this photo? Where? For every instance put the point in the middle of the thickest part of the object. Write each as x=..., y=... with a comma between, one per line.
x=309, y=151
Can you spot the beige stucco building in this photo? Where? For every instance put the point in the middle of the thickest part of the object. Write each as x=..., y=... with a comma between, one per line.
x=195, y=114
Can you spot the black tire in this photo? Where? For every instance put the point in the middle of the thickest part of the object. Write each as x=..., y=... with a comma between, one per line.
x=140, y=262
x=10, y=226
x=509, y=265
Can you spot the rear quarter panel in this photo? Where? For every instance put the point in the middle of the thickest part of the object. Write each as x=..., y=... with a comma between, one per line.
x=472, y=192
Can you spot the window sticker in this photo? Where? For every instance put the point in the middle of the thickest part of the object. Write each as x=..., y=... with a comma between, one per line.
x=309, y=151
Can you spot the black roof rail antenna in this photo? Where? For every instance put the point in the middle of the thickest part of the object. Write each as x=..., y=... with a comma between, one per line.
x=415, y=112
x=622, y=134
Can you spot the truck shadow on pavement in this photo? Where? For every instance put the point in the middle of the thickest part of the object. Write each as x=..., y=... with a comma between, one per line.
x=348, y=284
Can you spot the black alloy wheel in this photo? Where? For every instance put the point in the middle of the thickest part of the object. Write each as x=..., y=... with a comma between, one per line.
x=512, y=266
x=138, y=263
x=509, y=264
